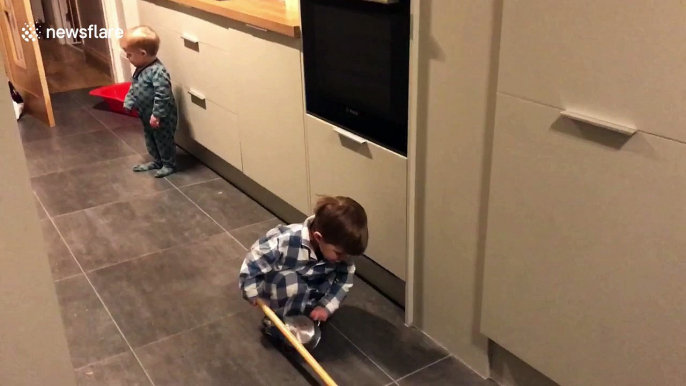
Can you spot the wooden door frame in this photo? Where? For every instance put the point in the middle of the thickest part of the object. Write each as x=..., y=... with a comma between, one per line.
x=31, y=100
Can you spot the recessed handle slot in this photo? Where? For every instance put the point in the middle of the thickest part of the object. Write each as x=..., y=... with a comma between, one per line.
x=626, y=130
x=256, y=27
x=197, y=95
x=349, y=135
x=189, y=38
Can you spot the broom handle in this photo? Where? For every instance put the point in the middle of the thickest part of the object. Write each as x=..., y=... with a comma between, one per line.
x=296, y=343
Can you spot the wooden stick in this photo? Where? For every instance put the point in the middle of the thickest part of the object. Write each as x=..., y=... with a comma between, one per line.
x=296, y=343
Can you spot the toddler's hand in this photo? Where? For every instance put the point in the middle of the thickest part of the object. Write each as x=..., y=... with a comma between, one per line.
x=154, y=122
x=319, y=314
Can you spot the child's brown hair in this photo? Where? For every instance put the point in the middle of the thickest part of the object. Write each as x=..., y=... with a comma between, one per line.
x=143, y=38
x=342, y=222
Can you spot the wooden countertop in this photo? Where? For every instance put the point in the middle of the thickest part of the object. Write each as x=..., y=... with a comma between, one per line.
x=281, y=16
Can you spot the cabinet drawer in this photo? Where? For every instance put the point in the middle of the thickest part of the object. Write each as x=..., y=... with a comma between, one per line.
x=374, y=177
x=205, y=67
x=617, y=60
x=168, y=53
x=203, y=26
x=271, y=116
x=210, y=125
x=148, y=13
x=585, y=249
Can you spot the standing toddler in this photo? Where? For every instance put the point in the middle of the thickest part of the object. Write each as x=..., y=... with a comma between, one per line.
x=151, y=95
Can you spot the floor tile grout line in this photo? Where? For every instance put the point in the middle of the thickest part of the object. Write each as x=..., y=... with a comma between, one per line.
x=197, y=183
x=99, y=297
x=363, y=353
x=136, y=197
x=231, y=314
x=67, y=277
x=98, y=361
x=62, y=136
x=197, y=241
x=89, y=166
x=125, y=143
x=208, y=215
x=82, y=166
x=145, y=154
x=111, y=130
x=257, y=223
x=164, y=338
x=93, y=115
x=422, y=368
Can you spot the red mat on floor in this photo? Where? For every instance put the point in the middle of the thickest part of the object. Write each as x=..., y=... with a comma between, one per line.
x=114, y=96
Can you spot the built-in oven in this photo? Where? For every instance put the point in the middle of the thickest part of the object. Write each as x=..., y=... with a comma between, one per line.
x=356, y=65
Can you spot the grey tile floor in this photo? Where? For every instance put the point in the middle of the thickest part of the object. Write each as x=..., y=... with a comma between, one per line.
x=146, y=272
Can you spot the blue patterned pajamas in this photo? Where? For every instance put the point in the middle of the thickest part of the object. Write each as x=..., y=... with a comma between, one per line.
x=151, y=94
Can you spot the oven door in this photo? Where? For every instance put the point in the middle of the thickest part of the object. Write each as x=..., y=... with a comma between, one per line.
x=356, y=62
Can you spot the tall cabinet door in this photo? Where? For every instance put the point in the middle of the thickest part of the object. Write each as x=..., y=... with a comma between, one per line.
x=23, y=60
x=617, y=60
x=585, y=270
x=271, y=116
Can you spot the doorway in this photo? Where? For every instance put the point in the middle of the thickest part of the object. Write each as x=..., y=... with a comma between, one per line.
x=72, y=62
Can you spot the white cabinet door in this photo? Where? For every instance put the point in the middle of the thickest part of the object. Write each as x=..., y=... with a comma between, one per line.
x=209, y=124
x=617, y=60
x=203, y=26
x=371, y=175
x=200, y=66
x=271, y=116
x=147, y=13
x=585, y=269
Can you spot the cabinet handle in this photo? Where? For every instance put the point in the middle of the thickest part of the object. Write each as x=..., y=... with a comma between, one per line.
x=626, y=130
x=349, y=135
x=189, y=38
x=196, y=94
x=256, y=27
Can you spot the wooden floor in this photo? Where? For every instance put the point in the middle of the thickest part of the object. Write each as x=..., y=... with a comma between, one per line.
x=66, y=68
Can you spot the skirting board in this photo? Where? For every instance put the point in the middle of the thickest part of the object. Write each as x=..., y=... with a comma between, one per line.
x=387, y=283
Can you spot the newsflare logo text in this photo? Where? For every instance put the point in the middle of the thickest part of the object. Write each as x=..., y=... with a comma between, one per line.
x=29, y=33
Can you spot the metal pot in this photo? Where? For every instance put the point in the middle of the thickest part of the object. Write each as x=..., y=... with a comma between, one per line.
x=304, y=329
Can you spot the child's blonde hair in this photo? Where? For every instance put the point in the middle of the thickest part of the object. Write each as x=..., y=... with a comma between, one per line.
x=142, y=38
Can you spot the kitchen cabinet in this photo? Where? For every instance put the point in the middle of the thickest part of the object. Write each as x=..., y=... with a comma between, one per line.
x=617, y=60
x=271, y=117
x=251, y=85
x=370, y=174
x=210, y=125
x=584, y=272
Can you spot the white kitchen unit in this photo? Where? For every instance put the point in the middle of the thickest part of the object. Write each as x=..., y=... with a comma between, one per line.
x=271, y=116
x=240, y=96
x=247, y=94
x=344, y=164
x=617, y=60
x=584, y=275
x=210, y=124
x=584, y=263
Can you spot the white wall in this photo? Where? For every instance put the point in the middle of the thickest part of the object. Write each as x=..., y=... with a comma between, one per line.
x=122, y=14
x=458, y=49
x=33, y=346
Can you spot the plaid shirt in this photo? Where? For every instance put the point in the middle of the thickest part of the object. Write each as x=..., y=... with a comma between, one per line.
x=289, y=248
